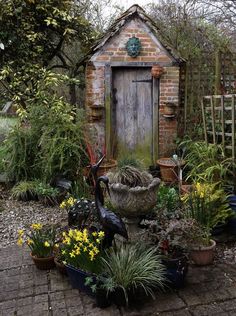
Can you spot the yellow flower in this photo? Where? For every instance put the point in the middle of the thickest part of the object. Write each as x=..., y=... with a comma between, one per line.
x=95, y=234
x=72, y=254
x=101, y=234
x=63, y=204
x=20, y=241
x=98, y=240
x=36, y=226
x=56, y=246
x=63, y=252
x=85, y=249
x=21, y=232
x=71, y=233
x=77, y=251
x=67, y=240
x=29, y=242
x=46, y=244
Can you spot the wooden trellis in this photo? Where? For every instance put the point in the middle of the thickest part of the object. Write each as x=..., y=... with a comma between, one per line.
x=218, y=113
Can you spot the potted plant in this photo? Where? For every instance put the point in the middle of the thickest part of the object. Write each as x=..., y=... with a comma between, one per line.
x=82, y=252
x=41, y=241
x=135, y=270
x=171, y=238
x=201, y=246
x=132, y=191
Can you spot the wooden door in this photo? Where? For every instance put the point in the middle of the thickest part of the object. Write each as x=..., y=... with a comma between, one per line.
x=132, y=113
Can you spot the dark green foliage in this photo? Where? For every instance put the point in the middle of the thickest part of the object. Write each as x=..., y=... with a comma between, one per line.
x=129, y=161
x=52, y=144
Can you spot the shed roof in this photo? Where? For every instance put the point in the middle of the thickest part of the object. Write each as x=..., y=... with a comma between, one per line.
x=135, y=11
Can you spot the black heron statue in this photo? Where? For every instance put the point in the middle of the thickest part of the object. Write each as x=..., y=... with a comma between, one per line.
x=111, y=223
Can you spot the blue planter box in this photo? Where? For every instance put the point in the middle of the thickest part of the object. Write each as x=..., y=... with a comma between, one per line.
x=78, y=278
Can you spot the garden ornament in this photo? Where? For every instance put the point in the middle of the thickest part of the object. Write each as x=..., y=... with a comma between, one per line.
x=133, y=46
x=111, y=223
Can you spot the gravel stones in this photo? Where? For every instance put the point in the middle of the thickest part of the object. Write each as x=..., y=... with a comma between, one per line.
x=15, y=215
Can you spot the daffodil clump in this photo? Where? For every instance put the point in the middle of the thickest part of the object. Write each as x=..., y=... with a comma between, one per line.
x=207, y=203
x=82, y=249
x=40, y=240
x=68, y=202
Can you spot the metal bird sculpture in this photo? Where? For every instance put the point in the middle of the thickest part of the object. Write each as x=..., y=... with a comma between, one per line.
x=111, y=223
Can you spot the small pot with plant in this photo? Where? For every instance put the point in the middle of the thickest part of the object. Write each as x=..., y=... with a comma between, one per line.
x=41, y=241
x=208, y=204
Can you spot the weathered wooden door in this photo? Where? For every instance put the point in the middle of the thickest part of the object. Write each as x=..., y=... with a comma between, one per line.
x=132, y=113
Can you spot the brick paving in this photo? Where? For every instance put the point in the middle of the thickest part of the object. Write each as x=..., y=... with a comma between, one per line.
x=24, y=290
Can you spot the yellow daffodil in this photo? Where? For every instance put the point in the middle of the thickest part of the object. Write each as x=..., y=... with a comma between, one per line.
x=101, y=234
x=36, y=226
x=63, y=204
x=20, y=241
x=72, y=254
x=29, y=242
x=46, y=244
x=21, y=232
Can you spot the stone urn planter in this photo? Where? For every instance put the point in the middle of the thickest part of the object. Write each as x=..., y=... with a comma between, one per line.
x=134, y=202
x=202, y=255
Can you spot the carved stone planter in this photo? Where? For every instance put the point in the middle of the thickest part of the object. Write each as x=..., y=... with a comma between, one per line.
x=133, y=202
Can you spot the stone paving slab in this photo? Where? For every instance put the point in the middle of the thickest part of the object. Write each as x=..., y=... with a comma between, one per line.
x=24, y=290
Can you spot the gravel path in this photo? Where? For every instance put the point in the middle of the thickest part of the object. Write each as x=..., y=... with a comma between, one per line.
x=15, y=215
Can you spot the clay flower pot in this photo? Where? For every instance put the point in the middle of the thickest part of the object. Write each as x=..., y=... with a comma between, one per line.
x=60, y=266
x=43, y=263
x=169, y=169
x=105, y=167
x=203, y=256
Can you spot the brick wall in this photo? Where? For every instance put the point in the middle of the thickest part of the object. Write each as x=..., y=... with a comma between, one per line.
x=114, y=52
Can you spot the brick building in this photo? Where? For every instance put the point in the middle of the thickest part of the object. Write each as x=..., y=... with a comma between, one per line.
x=124, y=101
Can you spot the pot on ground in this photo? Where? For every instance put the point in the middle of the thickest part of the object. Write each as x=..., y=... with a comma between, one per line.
x=60, y=266
x=176, y=271
x=203, y=255
x=78, y=278
x=43, y=263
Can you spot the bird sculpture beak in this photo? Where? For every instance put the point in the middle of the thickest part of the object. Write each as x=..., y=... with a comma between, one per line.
x=100, y=161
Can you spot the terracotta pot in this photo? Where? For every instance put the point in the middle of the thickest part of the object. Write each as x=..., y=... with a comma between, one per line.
x=203, y=256
x=60, y=266
x=186, y=188
x=43, y=263
x=169, y=109
x=105, y=167
x=169, y=169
